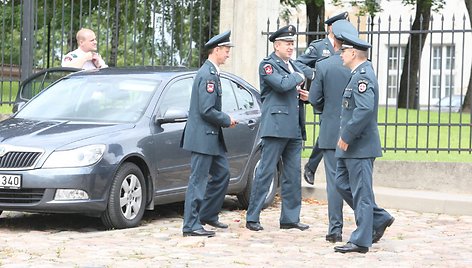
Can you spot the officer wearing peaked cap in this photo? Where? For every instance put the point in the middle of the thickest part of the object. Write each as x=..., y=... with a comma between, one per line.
x=316, y=50
x=320, y=48
x=282, y=131
x=357, y=147
x=221, y=40
x=203, y=136
x=326, y=95
x=286, y=33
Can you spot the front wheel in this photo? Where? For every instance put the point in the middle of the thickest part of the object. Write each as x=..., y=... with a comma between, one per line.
x=126, y=203
x=245, y=195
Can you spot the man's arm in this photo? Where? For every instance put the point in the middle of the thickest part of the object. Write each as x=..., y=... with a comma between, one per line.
x=77, y=61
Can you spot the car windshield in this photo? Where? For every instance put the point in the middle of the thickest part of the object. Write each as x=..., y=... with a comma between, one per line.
x=95, y=98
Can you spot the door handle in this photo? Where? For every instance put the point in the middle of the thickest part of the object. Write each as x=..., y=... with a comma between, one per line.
x=251, y=123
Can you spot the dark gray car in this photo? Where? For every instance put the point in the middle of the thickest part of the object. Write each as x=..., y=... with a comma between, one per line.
x=106, y=143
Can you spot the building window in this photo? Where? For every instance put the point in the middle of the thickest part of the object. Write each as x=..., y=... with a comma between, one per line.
x=392, y=86
x=436, y=86
x=395, y=63
x=442, y=73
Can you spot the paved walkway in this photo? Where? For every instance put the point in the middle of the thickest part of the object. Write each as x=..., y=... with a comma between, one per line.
x=414, y=240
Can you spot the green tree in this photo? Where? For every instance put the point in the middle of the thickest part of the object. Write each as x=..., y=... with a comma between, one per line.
x=129, y=32
x=315, y=12
x=407, y=95
x=10, y=21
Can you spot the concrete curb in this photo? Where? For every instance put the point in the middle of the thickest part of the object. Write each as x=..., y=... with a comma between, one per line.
x=415, y=200
x=418, y=186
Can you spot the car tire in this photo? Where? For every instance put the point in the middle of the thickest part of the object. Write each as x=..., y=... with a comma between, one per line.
x=244, y=196
x=129, y=187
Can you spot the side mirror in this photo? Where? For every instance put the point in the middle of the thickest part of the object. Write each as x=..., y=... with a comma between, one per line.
x=17, y=106
x=173, y=115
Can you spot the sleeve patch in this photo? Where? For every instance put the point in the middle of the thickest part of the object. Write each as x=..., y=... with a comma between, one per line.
x=67, y=58
x=210, y=86
x=362, y=86
x=268, y=69
x=308, y=50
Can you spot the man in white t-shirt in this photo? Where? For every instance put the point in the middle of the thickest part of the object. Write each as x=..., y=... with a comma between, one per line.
x=86, y=56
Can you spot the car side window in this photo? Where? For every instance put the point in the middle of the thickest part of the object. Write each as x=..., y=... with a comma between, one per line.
x=228, y=100
x=177, y=96
x=244, y=98
x=241, y=98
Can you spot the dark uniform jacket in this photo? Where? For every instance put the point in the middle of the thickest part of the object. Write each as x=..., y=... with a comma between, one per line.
x=326, y=93
x=316, y=50
x=359, y=115
x=203, y=132
x=283, y=113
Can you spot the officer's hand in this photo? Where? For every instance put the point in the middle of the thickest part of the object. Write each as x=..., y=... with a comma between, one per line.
x=343, y=145
x=233, y=122
x=303, y=94
x=96, y=60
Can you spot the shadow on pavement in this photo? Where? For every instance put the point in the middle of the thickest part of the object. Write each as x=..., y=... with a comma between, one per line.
x=24, y=221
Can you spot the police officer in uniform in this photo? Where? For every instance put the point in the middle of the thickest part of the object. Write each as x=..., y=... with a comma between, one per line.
x=326, y=95
x=282, y=130
x=358, y=146
x=86, y=55
x=318, y=49
x=203, y=136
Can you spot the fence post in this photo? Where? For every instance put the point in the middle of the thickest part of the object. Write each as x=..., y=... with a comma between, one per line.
x=27, y=40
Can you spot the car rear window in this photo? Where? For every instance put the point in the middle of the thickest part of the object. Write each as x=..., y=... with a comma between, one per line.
x=110, y=98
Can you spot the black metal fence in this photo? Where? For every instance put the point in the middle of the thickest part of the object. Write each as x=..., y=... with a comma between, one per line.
x=438, y=121
x=37, y=33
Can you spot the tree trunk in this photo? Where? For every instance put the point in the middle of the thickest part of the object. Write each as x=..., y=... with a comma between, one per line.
x=213, y=11
x=408, y=96
x=115, y=37
x=468, y=95
x=315, y=11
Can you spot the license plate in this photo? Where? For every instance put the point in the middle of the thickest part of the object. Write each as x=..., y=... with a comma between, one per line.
x=8, y=181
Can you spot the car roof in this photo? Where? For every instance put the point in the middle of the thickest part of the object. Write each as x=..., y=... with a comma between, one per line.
x=161, y=70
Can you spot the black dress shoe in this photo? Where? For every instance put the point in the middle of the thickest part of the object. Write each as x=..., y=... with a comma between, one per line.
x=333, y=238
x=299, y=226
x=351, y=247
x=309, y=175
x=254, y=226
x=216, y=224
x=199, y=232
x=380, y=232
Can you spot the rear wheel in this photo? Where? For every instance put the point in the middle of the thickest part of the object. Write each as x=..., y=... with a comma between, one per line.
x=126, y=203
x=245, y=195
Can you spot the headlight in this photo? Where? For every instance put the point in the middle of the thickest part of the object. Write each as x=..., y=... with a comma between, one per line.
x=78, y=157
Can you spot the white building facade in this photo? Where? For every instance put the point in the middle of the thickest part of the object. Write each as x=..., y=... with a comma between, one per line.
x=446, y=57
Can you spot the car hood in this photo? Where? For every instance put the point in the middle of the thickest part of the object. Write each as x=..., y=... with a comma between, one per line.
x=33, y=133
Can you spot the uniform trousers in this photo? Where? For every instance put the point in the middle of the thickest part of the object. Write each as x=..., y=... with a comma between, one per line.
x=205, y=195
x=354, y=183
x=315, y=157
x=335, y=200
x=272, y=150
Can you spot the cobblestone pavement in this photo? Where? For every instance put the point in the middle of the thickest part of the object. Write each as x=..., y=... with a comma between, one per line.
x=414, y=240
